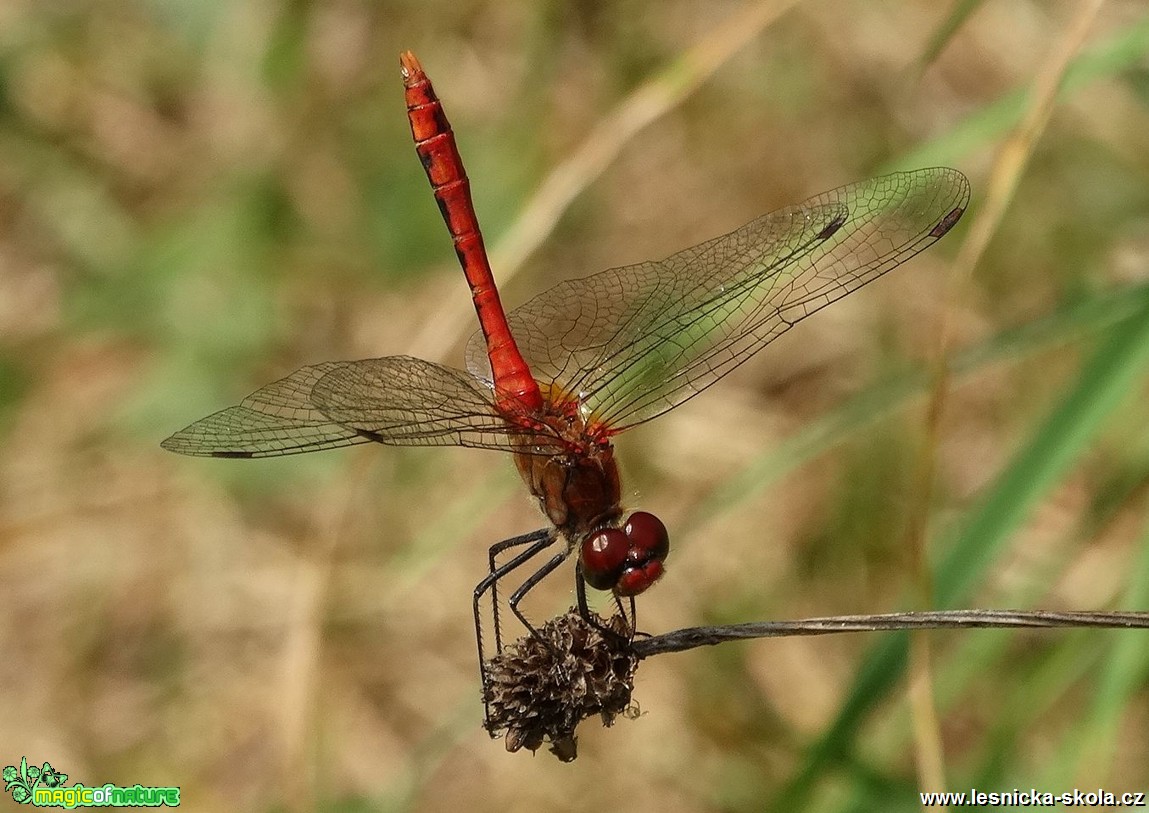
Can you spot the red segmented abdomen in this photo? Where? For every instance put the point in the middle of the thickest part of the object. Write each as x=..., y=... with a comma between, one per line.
x=516, y=391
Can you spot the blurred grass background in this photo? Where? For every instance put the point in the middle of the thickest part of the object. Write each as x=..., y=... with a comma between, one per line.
x=198, y=197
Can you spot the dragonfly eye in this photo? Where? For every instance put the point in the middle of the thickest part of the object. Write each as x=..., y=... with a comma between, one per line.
x=648, y=544
x=635, y=580
x=602, y=557
x=648, y=537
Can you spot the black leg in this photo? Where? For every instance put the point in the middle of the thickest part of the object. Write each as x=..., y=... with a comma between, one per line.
x=630, y=613
x=530, y=582
x=584, y=608
x=580, y=593
x=538, y=541
x=492, y=553
x=632, y=621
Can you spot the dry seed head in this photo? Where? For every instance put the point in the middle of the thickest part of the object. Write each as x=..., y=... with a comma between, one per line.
x=541, y=687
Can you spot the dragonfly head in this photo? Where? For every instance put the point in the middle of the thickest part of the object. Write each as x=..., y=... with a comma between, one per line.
x=626, y=560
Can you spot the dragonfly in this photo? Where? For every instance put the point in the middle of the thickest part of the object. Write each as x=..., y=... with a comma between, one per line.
x=554, y=380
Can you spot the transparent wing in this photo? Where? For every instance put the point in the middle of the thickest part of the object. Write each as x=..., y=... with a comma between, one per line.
x=632, y=342
x=396, y=400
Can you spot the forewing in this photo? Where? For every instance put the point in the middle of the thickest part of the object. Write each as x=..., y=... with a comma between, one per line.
x=396, y=400
x=633, y=342
x=406, y=401
x=278, y=419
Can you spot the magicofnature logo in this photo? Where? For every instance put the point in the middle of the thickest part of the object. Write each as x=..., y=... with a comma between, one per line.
x=44, y=787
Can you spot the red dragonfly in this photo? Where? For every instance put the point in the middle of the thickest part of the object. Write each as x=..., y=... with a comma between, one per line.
x=554, y=380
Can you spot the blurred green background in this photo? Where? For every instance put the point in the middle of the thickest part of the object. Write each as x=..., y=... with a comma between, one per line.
x=198, y=197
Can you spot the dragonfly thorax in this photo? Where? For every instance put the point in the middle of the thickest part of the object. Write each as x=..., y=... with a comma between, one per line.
x=578, y=491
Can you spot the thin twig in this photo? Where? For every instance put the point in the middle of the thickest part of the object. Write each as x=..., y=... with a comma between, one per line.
x=691, y=637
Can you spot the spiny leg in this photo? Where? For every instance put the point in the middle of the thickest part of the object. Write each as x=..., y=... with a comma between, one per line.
x=492, y=553
x=631, y=616
x=529, y=584
x=592, y=618
x=538, y=541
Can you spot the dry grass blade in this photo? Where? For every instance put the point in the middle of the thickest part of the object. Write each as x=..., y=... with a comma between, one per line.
x=303, y=645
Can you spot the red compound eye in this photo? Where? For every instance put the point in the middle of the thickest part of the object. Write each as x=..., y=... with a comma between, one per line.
x=635, y=580
x=648, y=543
x=603, y=554
x=648, y=537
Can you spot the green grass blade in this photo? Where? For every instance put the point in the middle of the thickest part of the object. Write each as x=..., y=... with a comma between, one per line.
x=1111, y=373
x=1124, y=51
x=961, y=11
x=1086, y=751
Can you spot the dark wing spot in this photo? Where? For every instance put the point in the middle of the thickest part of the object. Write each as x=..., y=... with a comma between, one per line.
x=832, y=227
x=235, y=455
x=947, y=222
x=367, y=433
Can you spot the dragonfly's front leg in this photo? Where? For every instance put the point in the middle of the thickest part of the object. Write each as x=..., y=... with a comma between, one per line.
x=537, y=541
x=630, y=618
